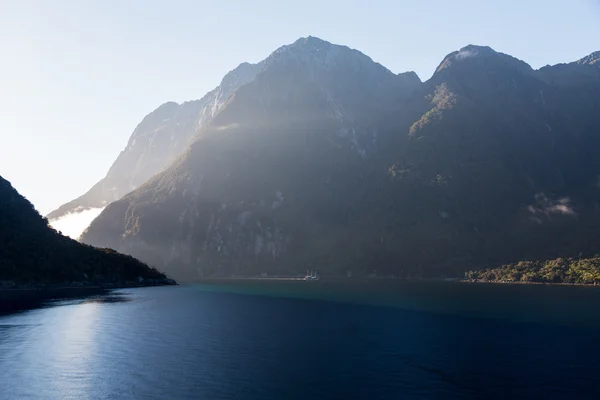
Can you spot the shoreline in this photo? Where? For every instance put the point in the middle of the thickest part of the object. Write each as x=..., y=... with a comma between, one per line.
x=321, y=279
x=371, y=279
x=23, y=298
x=81, y=285
x=529, y=283
x=244, y=278
x=14, y=300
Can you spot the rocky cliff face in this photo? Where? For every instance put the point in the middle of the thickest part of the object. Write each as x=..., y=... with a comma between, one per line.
x=157, y=141
x=328, y=160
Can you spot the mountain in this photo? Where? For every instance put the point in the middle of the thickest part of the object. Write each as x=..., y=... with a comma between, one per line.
x=583, y=72
x=156, y=142
x=506, y=159
x=32, y=254
x=311, y=115
x=327, y=160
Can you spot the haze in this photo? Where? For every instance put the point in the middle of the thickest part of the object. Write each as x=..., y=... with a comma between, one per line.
x=77, y=76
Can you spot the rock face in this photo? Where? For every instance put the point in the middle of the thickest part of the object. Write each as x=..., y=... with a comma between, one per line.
x=156, y=142
x=311, y=117
x=34, y=255
x=327, y=160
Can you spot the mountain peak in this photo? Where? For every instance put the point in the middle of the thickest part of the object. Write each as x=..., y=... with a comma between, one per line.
x=309, y=44
x=311, y=41
x=473, y=50
x=481, y=56
x=469, y=51
x=318, y=54
x=591, y=59
x=321, y=145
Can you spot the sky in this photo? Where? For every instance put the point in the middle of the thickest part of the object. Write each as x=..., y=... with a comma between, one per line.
x=77, y=76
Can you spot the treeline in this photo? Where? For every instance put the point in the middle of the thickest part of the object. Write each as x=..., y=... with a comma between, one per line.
x=560, y=270
x=31, y=252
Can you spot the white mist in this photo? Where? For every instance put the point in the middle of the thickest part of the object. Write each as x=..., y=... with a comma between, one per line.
x=73, y=224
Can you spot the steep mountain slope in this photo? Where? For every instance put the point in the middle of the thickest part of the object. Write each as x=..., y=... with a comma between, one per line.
x=156, y=142
x=270, y=169
x=32, y=253
x=504, y=165
x=327, y=160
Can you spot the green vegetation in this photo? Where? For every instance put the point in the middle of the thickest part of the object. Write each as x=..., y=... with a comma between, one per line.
x=560, y=270
x=33, y=254
x=298, y=173
x=442, y=99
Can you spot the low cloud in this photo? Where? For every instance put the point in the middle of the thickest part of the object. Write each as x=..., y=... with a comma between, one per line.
x=73, y=224
x=461, y=55
x=230, y=126
x=545, y=206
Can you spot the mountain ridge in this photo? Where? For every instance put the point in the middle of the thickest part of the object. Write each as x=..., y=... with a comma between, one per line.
x=102, y=193
x=171, y=126
x=120, y=181
x=328, y=158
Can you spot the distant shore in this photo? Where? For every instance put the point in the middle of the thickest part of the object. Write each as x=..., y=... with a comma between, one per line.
x=529, y=283
x=321, y=279
x=375, y=279
x=247, y=278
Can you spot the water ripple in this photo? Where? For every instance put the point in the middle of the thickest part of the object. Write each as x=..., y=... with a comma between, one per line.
x=185, y=343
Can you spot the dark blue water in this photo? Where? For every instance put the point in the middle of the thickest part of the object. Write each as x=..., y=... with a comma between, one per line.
x=244, y=341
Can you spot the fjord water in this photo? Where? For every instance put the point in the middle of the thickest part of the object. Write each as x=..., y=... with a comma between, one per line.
x=316, y=340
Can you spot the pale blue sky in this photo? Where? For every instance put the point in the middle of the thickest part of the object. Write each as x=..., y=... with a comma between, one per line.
x=76, y=76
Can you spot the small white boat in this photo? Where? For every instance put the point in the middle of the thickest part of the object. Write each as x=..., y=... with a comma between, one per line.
x=311, y=276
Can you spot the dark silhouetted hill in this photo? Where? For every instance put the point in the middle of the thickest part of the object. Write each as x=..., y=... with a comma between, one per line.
x=31, y=253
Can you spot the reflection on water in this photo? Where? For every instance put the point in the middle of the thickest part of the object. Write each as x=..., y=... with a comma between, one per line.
x=206, y=342
x=114, y=298
x=60, y=351
x=104, y=298
x=74, y=351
